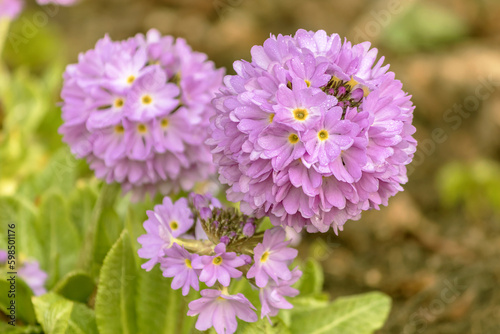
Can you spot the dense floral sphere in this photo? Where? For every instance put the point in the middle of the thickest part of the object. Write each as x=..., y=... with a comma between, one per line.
x=138, y=110
x=312, y=131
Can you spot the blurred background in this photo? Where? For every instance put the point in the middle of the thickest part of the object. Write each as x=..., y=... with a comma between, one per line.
x=436, y=248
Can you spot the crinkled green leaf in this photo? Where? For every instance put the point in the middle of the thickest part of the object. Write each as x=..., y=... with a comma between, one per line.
x=60, y=239
x=58, y=315
x=116, y=301
x=76, y=286
x=102, y=230
x=360, y=314
x=22, y=297
x=159, y=308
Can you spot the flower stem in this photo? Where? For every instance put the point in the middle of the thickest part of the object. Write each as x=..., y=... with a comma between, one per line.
x=202, y=247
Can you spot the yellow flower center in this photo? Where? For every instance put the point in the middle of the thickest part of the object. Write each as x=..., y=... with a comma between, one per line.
x=271, y=117
x=351, y=83
x=119, y=102
x=300, y=114
x=164, y=123
x=217, y=260
x=130, y=79
x=142, y=128
x=264, y=257
x=174, y=225
x=308, y=83
x=146, y=99
x=119, y=129
x=188, y=263
x=293, y=138
x=323, y=135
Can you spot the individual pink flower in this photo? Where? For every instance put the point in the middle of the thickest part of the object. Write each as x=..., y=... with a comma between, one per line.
x=177, y=263
x=272, y=297
x=164, y=224
x=219, y=267
x=220, y=310
x=272, y=258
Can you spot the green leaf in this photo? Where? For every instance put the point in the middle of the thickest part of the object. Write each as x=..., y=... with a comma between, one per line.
x=23, y=305
x=76, y=286
x=82, y=202
x=361, y=314
x=5, y=328
x=102, y=230
x=115, y=301
x=58, y=315
x=22, y=213
x=159, y=308
x=61, y=241
x=264, y=327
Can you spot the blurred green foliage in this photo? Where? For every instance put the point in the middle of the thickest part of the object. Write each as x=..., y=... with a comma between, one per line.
x=423, y=25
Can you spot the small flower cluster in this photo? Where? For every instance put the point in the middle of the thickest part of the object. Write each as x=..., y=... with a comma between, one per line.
x=10, y=9
x=312, y=131
x=138, y=111
x=29, y=271
x=197, y=240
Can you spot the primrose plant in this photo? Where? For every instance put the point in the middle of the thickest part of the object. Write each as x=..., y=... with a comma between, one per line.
x=310, y=133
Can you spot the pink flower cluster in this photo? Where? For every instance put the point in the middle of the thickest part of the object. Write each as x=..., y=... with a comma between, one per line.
x=138, y=111
x=312, y=131
x=199, y=241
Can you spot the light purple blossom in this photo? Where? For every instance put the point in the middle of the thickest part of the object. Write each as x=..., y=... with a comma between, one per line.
x=137, y=111
x=220, y=267
x=177, y=263
x=272, y=258
x=272, y=297
x=164, y=224
x=220, y=310
x=30, y=272
x=10, y=9
x=312, y=131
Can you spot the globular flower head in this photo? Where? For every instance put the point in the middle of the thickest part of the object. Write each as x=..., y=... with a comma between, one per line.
x=312, y=131
x=30, y=272
x=137, y=111
x=220, y=310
